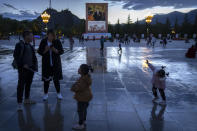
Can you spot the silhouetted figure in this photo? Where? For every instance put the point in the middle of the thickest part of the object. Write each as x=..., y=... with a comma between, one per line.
x=149, y=39
x=134, y=37
x=120, y=48
x=102, y=40
x=126, y=39
x=153, y=41
x=164, y=41
x=25, y=62
x=71, y=40
x=94, y=38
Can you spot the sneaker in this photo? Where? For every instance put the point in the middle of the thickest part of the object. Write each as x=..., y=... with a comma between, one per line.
x=20, y=108
x=45, y=97
x=85, y=123
x=162, y=103
x=78, y=127
x=28, y=101
x=59, y=96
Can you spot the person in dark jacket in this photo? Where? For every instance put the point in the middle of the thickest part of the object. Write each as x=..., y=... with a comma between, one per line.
x=50, y=49
x=102, y=40
x=83, y=94
x=98, y=16
x=164, y=42
x=26, y=63
x=71, y=40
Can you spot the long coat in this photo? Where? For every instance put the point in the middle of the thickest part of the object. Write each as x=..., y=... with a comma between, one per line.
x=57, y=65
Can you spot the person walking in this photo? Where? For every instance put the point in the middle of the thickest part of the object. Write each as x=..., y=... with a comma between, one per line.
x=71, y=40
x=26, y=62
x=50, y=49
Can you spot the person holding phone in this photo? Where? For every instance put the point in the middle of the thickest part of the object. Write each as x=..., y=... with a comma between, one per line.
x=50, y=49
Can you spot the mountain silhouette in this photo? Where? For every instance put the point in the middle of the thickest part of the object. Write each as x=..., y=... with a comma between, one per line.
x=64, y=19
x=161, y=18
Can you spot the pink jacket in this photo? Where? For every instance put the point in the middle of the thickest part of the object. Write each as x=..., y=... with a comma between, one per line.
x=156, y=81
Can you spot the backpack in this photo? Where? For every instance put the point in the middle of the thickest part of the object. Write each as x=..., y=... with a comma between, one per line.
x=14, y=62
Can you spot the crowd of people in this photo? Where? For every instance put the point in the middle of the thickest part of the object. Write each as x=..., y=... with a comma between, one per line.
x=50, y=49
x=126, y=39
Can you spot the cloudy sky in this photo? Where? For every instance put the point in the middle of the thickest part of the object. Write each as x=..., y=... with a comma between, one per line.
x=138, y=9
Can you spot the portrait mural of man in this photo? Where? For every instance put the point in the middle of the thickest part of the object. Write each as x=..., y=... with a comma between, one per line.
x=96, y=12
x=96, y=17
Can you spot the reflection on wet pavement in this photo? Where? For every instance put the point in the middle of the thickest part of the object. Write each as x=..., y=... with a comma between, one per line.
x=121, y=88
x=97, y=59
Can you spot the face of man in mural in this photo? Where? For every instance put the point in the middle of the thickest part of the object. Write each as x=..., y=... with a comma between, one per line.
x=97, y=11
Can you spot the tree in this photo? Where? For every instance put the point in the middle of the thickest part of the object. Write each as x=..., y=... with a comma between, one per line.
x=156, y=29
x=111, y=29
x=176, y=25
x=117, y=27
x=195, y=25
x=185, y=25
x=167, y=26
x=128, y=25
x=136, y=27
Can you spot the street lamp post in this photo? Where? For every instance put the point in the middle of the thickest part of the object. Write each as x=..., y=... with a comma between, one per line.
x=45, y=18
x=148, y=21
x=173, y=33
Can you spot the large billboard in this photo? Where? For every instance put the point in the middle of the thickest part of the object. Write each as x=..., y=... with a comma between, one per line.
x=96, y=17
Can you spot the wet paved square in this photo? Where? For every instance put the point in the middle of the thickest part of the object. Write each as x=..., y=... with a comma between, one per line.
x=121, y=88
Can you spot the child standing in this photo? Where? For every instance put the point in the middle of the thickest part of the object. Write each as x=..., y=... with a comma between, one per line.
x=158, y=82
x=83, y=94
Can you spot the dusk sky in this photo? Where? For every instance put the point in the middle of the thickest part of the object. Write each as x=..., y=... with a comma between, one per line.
x=30, y=9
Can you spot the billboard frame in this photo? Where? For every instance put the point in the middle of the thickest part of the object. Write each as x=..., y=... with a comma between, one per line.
x=106, y=17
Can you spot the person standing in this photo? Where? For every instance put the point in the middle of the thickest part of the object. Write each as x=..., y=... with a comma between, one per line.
x=153, y=41
x=50, y=49
x=102, y=40
x=71, y=40
x=120, y=48
x=26, y=63
x=83, y=94
x=164, y=41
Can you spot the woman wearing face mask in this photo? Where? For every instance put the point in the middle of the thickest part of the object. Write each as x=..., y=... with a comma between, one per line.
x=50, y=49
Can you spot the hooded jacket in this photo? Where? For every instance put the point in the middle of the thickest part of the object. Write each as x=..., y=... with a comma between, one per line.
x=82, y=89
x=156, y=80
